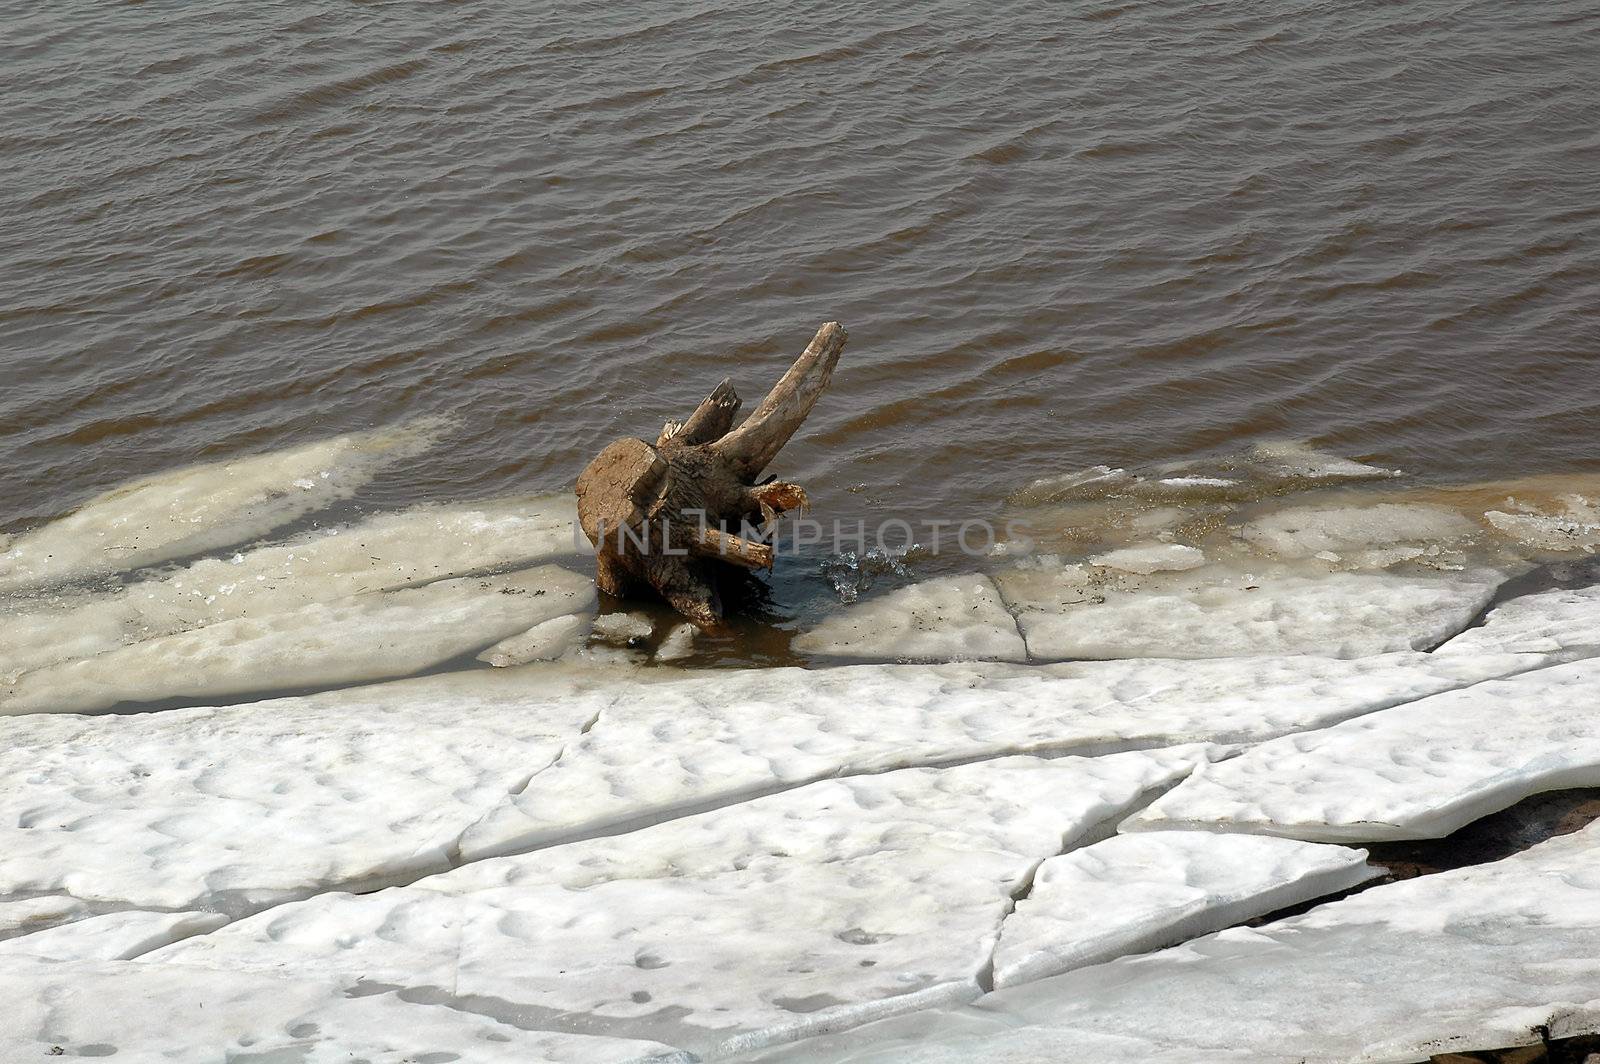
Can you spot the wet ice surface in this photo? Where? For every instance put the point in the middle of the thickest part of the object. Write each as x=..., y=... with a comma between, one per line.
x=565, y=847
x=381, y=553
x=362, y=638
x=187, y=511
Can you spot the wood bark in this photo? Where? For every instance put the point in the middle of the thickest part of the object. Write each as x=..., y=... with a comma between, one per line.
x=672, y=516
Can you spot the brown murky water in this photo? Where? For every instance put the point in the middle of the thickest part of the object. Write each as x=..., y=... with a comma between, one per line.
x=1060, y=234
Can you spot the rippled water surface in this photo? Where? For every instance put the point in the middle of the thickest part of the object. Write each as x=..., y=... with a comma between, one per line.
x=1060, y=235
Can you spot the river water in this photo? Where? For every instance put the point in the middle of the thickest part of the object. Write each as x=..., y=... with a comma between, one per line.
x=1060, y=235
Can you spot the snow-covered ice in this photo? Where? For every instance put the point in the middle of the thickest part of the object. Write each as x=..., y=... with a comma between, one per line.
x=381, y=553
x=117, y=936
x=1221, y=611
x=179, y=1015
x=1546, y=622
x=200, y=508
x=720, y=736
x=1483, y=957
x=956, y=618
x=1136, y=893
x=800, y=912
x=233, y=808
x=1417, y=771
x=352, y=640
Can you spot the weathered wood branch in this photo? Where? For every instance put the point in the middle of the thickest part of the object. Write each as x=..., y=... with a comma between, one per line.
x=753, y=445
x=658, y=515
x=712, y=419
x=723, y=546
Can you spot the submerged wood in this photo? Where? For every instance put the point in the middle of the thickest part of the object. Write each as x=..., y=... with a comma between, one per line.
x=670, y=515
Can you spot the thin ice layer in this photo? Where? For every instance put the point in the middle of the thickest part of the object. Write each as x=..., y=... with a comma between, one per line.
x=1417, y=771
x=357, y=639
x=1225, y=612
x=1546, y=622
x=957, y=618
x=1137, y=893
x=381, y=553
x=189, y=511
x=181, y=1015
x=1308, y=531
x=1485, y=957
x=118, y=936
x=681, y=745
x=233, y=808
x=820, y=907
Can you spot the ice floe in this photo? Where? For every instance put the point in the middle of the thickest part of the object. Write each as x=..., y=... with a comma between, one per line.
x=1222, y=611
x=1416, y=771
x=351, y=640
x=799, y=912
x=624, y=629
x=1496, y=955
x=1296, y=460
x=679, y=643
x=180, y=1015
x=1136, y=893
x=684, y=743
x=957, y=618
x=1359, y=531
x=229, y=809
x=118, y=936
x=1151, y=558
x=189, y=511
x=1546, y=622
x=545, y=641
x=381, y=553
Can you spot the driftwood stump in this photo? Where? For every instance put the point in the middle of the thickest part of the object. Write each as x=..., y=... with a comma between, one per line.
x=671, y=514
